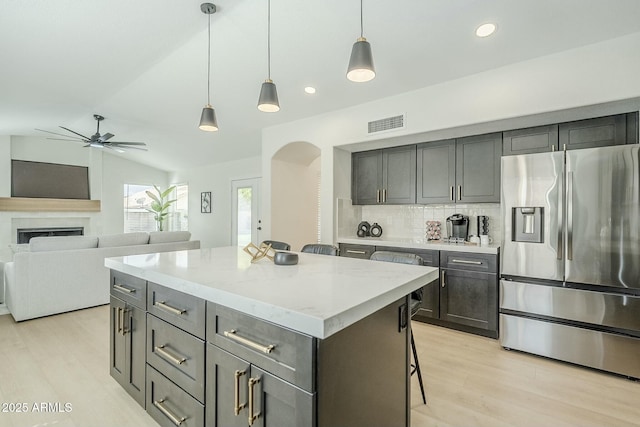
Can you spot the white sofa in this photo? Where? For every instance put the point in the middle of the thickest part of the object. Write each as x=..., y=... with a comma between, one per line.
x=54, y=275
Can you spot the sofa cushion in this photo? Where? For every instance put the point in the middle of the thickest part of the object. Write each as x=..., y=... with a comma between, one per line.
x=123, y=239
x=168, y=236
x=62, y=243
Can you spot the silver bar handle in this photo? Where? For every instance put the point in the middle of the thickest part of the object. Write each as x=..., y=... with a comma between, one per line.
x=459, y=192
x=166, y=307
x=442, y=282
x=160, y=349
x=384, y=196
x=352, y=251
x=570, y=216
x=252, y=416
x=177, y=420
x=119, y=324
x=124, y=289
x=561, y=208
x=451, y=193
x=464, y=261
x=377, y=196
x=237, y=406
x=263, y=348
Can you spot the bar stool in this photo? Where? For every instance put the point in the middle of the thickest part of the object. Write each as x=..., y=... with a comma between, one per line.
x=316, y=248
x=279, y=246
x=416, y=300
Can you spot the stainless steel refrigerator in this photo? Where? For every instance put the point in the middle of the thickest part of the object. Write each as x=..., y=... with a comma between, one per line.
x=570, y=270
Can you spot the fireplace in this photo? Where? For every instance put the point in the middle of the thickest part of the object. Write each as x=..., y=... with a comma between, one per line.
x=25, y=234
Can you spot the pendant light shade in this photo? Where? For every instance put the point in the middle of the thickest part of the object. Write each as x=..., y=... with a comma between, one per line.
x=208, y=120
x=268, y=100
x=361, y=67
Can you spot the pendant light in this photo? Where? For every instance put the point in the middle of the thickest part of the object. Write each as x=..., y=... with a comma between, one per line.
x=268, y=100
x=361, y=67
x=208, y=120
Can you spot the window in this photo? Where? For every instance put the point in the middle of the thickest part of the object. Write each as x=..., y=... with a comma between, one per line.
x=138, y=218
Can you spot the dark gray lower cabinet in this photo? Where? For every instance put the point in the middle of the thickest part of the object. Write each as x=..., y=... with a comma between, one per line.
x=127, y=356
x=241, y=394
x=169, y=405
x=469, y=298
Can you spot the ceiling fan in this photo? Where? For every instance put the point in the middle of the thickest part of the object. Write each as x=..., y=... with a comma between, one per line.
x=98, y=141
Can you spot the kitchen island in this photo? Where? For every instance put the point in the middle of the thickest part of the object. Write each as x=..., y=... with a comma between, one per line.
x=324, y=342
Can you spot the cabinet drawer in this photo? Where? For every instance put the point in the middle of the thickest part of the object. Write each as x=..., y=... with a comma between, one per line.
x=356, y=251
x=291, y=358
x=177, y=355
x=169, y=405
x=184, y=311
x=429, y=257
x=129, y=289
x=486, y=263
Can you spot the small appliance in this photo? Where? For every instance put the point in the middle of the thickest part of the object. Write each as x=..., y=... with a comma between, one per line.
x=458, y=226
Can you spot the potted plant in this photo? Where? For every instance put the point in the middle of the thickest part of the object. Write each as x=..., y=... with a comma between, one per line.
x=160, y=204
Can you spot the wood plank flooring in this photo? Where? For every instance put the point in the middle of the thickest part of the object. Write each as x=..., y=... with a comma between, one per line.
x=470, y=380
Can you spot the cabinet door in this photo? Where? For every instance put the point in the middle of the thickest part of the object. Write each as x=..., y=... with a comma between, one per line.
x=436, y=176
x=399, y=175
x=227, y=393
x=128, y=339
x=278, y=403
x=469, y=298
x=540, y=139
x=600, y=132
x=430, y=306
x=366, y=180
x=478, y=168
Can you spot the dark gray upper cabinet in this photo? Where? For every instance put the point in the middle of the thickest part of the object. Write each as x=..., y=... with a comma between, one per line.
x=384, y=176
x=436, y=172
x=465, y=170
x=478, y=168
x=599, y=132
x=538, y=139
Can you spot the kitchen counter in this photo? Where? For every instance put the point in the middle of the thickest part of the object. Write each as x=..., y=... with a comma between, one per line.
x=319, y=296
x=421, y=244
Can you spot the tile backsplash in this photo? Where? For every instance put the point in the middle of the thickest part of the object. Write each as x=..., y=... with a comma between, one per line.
x=409, y=221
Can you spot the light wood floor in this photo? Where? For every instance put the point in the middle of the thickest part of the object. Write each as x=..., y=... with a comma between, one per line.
x=470, y=380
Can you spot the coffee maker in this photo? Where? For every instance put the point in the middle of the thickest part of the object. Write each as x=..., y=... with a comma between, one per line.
x=458, y=227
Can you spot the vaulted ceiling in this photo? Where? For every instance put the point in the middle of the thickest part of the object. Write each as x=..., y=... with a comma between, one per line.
x=143, y=65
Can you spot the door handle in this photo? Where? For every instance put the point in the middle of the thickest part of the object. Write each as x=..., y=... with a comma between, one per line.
x=451, y=193
x=259, y=228
x=570, y=216
x=262, y=348
x=176, y=419
x=377, y=196
x=442, y=282
x=237, y=406
x=160, y=349
x=165, y=307
x=384, y=196
x=124, y=289
x=459, y=192
x=252, y=416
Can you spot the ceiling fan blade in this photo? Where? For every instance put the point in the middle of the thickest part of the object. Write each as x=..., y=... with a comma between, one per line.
x=79, y=134
x=59, y=134
x=116, y=149
x=127, y=147
x=127, y=143
x=106, y=137
x=70, y=140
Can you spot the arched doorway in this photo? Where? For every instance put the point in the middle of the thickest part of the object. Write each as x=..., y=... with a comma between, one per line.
x=295, y=192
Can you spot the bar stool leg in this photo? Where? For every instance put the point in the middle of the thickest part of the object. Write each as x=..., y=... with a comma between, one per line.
x=417, y=368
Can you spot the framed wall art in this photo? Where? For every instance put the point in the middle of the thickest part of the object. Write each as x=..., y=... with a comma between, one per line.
x=205, y=202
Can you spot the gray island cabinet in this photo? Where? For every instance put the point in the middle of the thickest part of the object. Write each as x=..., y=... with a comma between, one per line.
x=234, y=343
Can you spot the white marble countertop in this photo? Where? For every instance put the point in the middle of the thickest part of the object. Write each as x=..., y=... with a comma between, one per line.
x=319, y=296
x=422, y=244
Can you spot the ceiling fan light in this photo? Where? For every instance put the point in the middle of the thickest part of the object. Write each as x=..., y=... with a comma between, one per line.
x=208, y=120
x=361, y=67
x=268, y=100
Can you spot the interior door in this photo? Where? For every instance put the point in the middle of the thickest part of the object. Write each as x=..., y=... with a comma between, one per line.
x=245, y=216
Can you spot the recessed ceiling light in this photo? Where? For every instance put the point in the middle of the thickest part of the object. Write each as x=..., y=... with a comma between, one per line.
x=310, y=90
x=485, y=30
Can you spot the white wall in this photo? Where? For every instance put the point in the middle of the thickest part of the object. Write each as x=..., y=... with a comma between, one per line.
x=543, y=90
x=214, y=229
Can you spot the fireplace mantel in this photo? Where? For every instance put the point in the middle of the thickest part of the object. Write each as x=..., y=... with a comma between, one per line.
x=26, y=204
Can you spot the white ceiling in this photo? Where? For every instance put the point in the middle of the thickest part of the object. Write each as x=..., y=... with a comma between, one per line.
x=142, y=64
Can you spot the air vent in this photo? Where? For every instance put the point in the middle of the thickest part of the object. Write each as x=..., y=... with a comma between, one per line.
x=389, y=123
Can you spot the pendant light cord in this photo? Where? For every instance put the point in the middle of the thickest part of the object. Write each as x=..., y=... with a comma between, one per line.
x=209, y=64
x=361, y=24
x=269, y=40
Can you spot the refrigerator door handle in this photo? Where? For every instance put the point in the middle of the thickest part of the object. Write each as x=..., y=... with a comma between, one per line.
x=560, y=249
x=570, y=216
